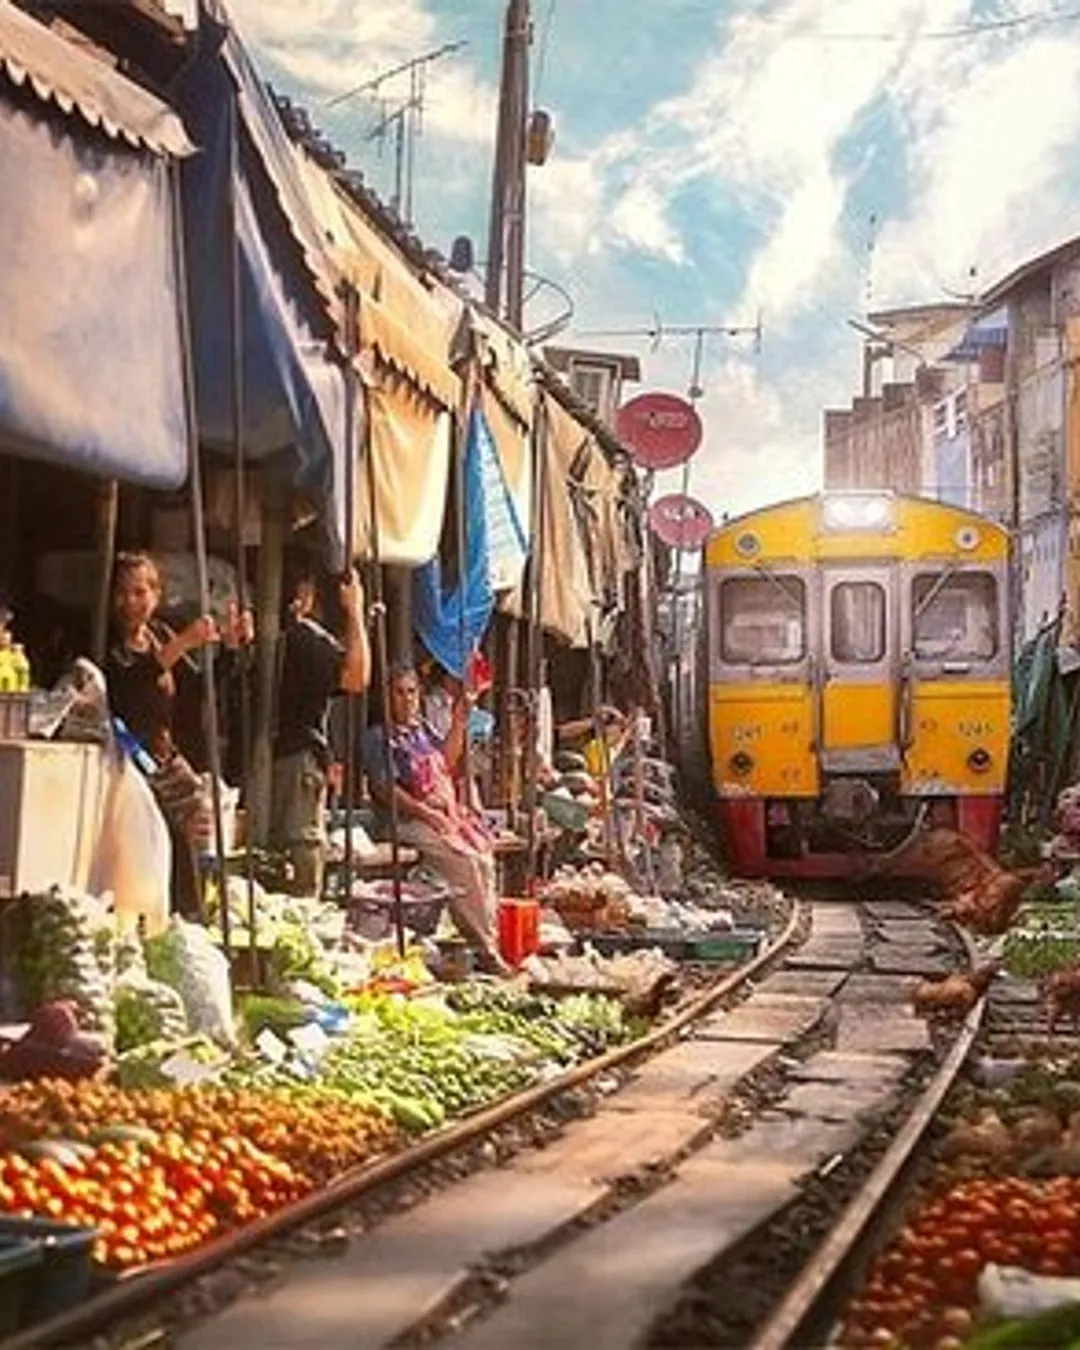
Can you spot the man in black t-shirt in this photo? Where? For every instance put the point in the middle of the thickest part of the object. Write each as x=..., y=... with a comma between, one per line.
x=315, y=666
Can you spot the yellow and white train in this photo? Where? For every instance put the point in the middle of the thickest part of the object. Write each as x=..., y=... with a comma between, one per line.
x=858, y=659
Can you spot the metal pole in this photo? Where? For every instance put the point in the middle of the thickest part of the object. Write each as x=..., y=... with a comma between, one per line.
x=352, y=347
x=198, y=521
x=108, y=505
x=676, y=624
x=237, y=356
x=535, y=629
x=464, y=428
x=378, y=609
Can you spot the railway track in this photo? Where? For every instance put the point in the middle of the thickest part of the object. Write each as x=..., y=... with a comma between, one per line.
x=781, y=1103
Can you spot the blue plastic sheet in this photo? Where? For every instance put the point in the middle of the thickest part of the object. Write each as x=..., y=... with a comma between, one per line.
x=91, y=368
x=451, y=616
x=293, y=388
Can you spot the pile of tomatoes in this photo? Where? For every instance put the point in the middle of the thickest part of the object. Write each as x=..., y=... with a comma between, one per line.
x=150, y=1202
x=921, y=1290
x=200, y=1161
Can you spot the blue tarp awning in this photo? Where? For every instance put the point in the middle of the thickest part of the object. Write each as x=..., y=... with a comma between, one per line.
x=293, y=389
x=988, y=332
x=91, y=355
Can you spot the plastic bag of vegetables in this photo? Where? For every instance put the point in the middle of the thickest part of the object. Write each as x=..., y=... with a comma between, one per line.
x=67, y=953
x=185, y=958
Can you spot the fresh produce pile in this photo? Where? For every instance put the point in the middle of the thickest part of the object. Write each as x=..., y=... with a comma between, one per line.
x=157, y=1173
x=922, y=1291
x=589, y=899
x=424, y=1060
x=1007, y=1194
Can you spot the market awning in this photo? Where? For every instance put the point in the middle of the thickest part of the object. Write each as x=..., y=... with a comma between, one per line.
x=292, y=387
x=507, y=396
x=566, y=594
x=57, y=72
x=991, y=331
x=91, y=359
x=407, y=329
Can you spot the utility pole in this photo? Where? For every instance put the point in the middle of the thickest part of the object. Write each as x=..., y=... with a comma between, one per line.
x=506, y=231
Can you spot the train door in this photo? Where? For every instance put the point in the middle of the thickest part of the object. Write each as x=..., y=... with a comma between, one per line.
x=858, y=722
x=955, y=689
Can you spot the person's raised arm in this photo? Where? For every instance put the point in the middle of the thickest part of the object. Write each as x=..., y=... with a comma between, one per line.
x=356, y=664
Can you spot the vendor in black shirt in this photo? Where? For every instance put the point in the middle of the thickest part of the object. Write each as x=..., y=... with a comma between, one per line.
x=315, y=666
x=147, y=669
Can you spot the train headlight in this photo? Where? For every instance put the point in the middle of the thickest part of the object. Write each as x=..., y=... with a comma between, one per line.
x=979, y=761
x=741, y=764
x=842, y=512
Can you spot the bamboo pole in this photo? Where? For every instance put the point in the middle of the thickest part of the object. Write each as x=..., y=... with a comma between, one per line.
x=352, y=346
x=378, y=609
x=236, y=324
x=198, y=521
x=534, y=610
x=108, y=510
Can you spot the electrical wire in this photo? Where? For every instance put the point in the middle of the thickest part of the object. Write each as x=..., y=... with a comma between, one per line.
x=964, y=31
x=545, y=37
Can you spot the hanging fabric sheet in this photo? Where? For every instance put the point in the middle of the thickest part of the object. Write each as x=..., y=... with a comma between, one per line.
x=496, y=548
x=91, y=366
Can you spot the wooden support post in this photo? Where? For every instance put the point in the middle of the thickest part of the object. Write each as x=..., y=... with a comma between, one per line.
x=108, y=507
x=269, y=601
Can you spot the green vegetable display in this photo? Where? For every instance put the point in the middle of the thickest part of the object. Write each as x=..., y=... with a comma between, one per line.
x=67, y=953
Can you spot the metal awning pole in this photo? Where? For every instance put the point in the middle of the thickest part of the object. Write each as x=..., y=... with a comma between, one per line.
x=237, y=356
x=198, y=522
x=352, y=348
x=382, y=655
x=464, y=430
x=536, y=635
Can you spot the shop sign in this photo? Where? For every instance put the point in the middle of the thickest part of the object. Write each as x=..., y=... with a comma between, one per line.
x=661, y=431
x=680, y=522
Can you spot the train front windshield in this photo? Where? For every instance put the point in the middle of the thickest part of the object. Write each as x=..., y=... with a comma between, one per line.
x=955, y=616
x=762, y=621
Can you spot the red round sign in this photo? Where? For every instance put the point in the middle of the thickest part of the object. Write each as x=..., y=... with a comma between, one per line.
x=661, y=431
x=681, y=522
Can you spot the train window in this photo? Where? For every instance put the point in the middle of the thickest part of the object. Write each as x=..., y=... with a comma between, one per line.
x=762, y=620
x=955, y=616
x=858, y=622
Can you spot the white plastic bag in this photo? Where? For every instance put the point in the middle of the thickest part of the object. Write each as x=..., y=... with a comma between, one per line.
x=185, y=958
x=133, y=861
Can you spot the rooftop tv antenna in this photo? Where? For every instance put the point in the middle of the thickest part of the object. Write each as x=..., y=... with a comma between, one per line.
x=403, y=116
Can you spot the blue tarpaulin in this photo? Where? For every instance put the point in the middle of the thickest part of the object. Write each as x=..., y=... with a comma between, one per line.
x=493, y=531
x=293, y=390
x=91, y=358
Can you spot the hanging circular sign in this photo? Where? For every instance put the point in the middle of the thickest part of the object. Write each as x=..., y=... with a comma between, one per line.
x=680, y=522
x=661, y=431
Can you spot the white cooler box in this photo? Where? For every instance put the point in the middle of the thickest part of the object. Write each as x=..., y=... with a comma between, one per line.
x=52, y=801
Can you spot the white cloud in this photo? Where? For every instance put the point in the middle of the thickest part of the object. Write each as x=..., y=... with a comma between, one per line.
x=993, y=184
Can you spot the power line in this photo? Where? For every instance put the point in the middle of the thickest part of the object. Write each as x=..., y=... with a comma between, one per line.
x=545, y=37
x=965, y=31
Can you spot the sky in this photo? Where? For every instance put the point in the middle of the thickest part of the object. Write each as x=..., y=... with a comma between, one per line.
x=720, y=161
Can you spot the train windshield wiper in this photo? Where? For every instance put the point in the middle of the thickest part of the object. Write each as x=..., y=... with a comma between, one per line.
x=932, y=594
x=770, y=575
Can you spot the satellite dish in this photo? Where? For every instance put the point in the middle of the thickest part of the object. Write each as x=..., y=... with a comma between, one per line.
x=680, y=522
x=661, y=431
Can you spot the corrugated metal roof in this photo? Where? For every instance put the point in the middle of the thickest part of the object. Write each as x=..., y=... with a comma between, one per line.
x=33, y=56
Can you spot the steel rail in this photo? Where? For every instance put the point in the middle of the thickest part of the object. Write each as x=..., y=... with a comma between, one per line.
x=806, y=1296
x=128, y=1296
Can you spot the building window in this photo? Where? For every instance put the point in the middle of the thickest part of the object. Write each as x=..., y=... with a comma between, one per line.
x=857, y=622
x=762, y=620
x=955, y=616
x=595, y=386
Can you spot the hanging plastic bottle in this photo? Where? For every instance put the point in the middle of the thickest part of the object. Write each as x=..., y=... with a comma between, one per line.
x=20, y=664
x=8, y=673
